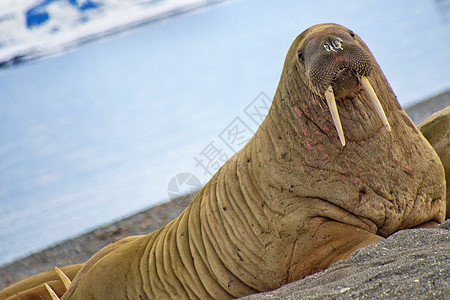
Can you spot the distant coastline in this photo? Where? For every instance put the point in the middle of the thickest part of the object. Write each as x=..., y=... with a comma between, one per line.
x=24, y=49
x=418, y=112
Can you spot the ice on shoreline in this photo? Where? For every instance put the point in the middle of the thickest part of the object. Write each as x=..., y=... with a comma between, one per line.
x=31, y=29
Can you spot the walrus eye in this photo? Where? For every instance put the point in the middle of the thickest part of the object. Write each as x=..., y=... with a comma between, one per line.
x=300, y=55
x=352, y=34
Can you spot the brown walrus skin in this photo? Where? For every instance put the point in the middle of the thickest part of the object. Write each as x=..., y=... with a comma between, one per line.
x=294, y=200
x=436, y=129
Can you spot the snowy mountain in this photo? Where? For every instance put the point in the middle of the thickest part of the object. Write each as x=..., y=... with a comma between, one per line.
x=31, y=29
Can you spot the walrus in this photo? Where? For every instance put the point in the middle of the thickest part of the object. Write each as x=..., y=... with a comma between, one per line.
x=436, y=129
x=335, y=166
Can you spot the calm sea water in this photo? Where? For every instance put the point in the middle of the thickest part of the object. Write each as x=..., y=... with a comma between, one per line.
x=93, y=135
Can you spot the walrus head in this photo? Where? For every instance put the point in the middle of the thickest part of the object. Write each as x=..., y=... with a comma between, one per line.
x=337, y=65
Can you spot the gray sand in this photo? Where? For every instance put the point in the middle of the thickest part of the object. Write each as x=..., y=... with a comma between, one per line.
x=412, y=264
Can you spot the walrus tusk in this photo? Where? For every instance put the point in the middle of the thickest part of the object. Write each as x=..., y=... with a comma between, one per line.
x=331, y=101
x=66, y=281
x=51, y=292
x=374, y=99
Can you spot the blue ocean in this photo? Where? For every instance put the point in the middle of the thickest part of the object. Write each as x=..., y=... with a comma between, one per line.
x=109, y=107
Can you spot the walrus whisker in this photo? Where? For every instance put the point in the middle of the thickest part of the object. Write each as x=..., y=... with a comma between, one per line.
x=374, y=99
x=317, y=99
x=66, y=281
x=331, y=101
x=51, y=292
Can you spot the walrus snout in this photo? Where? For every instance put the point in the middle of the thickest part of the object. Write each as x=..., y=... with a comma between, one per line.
x=345, y=83
x=326, y=56
x=334, y=61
